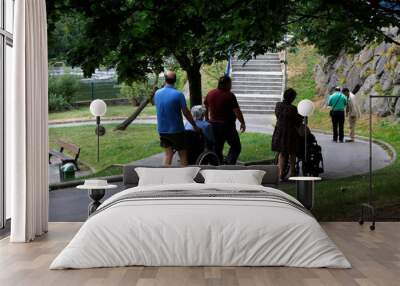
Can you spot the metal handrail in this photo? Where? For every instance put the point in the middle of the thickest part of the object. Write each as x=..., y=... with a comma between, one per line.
x=283, y=57
x=228, y=67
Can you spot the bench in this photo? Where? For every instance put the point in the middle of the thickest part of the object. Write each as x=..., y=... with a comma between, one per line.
x=71, y=148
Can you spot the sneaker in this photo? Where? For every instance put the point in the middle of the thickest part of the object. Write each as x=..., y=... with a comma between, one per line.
x=340, y=141
x=334, y=141
x=349, y=140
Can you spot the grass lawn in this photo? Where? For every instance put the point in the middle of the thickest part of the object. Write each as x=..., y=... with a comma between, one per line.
x=137, y=142
x=112, y=111
x=301, y=64
x=255, y=147
x=116, y=147
x=386, y=182
x=340, y=199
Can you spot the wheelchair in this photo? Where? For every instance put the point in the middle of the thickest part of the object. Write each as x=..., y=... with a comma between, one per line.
x=200, y=150
x=314, y=165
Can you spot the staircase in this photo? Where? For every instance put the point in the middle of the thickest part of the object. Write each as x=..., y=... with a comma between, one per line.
x=259, y=83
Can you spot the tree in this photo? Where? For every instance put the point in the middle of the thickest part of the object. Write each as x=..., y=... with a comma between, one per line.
x=136, y=36
x=65, y=34
x=343, y=25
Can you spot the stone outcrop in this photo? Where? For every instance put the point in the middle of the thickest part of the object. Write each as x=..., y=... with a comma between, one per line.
x=373, y=71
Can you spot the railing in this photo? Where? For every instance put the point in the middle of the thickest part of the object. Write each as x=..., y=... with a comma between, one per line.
x=228, y=68
x=284, y=63
x=283, y=59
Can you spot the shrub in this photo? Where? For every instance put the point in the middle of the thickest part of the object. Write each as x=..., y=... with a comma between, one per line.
x=65, y=86
x=136, y=92
x=57, y=103
x=181, y=79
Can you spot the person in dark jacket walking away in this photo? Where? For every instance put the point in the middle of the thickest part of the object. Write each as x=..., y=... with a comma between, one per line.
x=222, y=110
x=337, y=101
x=285, y=137
x=170, y=104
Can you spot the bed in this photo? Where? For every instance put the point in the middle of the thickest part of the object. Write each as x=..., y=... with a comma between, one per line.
x=201, y=224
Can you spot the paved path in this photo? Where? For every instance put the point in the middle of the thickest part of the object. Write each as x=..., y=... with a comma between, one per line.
x=341, y=160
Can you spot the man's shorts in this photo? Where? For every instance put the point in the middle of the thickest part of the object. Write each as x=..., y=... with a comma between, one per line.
x=176, y=141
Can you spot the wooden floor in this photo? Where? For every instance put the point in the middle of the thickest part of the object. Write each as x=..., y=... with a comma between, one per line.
x=375, y=257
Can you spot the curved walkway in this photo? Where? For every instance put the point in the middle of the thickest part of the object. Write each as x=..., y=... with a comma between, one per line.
x=340, y=160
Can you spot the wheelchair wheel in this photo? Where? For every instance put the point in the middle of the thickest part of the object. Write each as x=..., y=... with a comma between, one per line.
x=208, y=158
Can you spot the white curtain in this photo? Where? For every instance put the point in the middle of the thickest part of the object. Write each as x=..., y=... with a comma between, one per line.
x=27, y=145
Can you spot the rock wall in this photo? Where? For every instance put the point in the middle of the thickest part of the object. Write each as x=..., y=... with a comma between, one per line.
x=373, y=71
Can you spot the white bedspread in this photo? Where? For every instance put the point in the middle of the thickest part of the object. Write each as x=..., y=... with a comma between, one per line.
x=201, y=231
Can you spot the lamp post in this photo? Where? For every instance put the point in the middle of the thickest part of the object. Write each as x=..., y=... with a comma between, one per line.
x=306, y=109
x=98, y=108
x=305, y=184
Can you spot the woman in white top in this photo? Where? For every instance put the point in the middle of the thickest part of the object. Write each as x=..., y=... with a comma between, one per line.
x=353, y=111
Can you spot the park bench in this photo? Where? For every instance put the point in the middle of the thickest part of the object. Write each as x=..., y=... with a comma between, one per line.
x=71, y=148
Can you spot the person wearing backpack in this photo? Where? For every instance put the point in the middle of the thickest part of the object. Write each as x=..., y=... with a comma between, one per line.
x=337, y=101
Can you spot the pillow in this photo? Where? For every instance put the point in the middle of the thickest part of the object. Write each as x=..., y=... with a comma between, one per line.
x=166, y=176
x=248, y=177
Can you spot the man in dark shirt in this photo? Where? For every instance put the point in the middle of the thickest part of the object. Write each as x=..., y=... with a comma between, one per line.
x=222, y=110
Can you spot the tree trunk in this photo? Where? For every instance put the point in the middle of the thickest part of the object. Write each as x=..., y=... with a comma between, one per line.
x=140, y=108
x=194, y=78
x=133, y=116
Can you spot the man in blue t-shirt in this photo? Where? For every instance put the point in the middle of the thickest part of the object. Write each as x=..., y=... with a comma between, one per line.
x=170, y=104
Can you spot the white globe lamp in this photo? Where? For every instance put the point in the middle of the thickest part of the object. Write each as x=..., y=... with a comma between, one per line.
x=305, y=107
x=98, y=108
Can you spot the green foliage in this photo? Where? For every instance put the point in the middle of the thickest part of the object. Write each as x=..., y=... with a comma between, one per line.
x=378, y=88
x=367, y=73
x=57, y=103
x=62, y=90
x=210, y=75
x=301, y=63
x=65, y=86
x=334, y=26
x=181, y=78
x=136, y=36
x=136, y=91
x=65, y=34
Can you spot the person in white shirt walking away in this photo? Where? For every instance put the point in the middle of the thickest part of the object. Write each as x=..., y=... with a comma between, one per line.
x=353, y=112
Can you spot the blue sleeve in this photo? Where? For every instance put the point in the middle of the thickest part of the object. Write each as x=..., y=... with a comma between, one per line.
x=182, y=100
x=188, y=126
x=155, y=97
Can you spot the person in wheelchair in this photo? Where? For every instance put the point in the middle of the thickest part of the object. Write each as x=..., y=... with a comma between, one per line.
x=198, y=114
x=200, y=145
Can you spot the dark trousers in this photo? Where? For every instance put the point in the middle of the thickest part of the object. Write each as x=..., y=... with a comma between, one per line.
x=338, y=123
x=226, y=132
